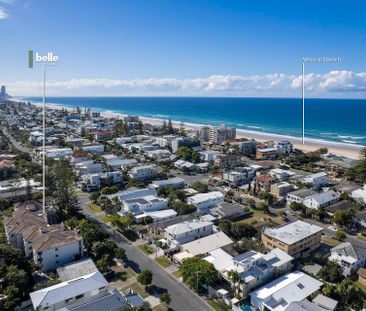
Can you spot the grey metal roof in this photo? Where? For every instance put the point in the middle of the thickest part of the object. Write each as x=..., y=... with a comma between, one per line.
x=109, y=301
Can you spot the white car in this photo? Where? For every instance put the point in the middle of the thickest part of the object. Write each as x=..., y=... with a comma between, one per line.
x=333, y=228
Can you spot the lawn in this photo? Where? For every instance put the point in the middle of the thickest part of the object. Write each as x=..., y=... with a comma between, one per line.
x=219, y=305
x=259, y=216
x=95, y=208
x=163, y=261
x=330, y=241
x=177, y=274
x=123, y=274
x=361, y=287
x=146, y=249
x=137, y=288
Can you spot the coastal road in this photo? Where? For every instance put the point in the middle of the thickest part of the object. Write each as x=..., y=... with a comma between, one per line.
x=182, y=298
x=14, y=142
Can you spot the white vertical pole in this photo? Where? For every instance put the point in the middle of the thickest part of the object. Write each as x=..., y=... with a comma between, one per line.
x=44, y=141
x=303, y=103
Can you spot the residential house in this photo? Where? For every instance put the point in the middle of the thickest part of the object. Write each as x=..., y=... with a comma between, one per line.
x=360, y=195
x=176, y=182
x=350, y=257
x=205, y=201
x=187, y=231
x=57, y=153
x=144, y=172
x=280, y=293
x=316, y=180
x=93, y=148
x=144, y=204
x=256, y=269
x=228, y=210
x=88, y=292
x=239, y=176
x=299, y=195
x=322, y=199
x=205, y=245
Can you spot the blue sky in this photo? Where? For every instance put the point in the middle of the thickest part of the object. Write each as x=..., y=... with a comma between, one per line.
x=169, y=47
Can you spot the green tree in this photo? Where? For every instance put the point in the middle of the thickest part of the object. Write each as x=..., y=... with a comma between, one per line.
x=165, y=297
x=331, y=272
x=145, y=277
x=343, y=218
x=197, y=272
x=297, y=207
x=13, y=297
x=60, y=179
x=340, y=235
x=170, y=127
x=200, y=186
x=358, y=172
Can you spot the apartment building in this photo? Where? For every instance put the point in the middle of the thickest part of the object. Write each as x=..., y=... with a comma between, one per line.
x=281, y=189
x=297, y=239
x=50, y=246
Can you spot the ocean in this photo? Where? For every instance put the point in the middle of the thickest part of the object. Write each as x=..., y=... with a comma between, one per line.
x=339, y=120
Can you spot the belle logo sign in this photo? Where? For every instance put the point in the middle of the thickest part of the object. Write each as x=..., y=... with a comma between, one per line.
x=50, y=58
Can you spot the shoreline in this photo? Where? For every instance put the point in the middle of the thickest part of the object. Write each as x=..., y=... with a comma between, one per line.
x=338, y=148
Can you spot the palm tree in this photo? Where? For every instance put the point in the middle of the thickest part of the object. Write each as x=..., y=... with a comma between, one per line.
x=235, y=278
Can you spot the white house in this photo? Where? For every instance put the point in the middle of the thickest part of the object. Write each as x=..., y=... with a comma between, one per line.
x=205, y=201
x=360, y=195
x=93, y=148
x=91, y=181
x=144, y=204
x=88, y=167
x=144, y=172
x=280, y=293
x=89, y=290
x=134, y=193
x=299, y=195
x=349, y=257
x=176, y=182
x=58, y=152
x=316, y=180
x=322, y=199
x=187, y=231
x=239, y=176
x=256, y=269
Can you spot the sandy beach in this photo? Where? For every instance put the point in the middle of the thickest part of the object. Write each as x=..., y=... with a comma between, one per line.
x=337, y=148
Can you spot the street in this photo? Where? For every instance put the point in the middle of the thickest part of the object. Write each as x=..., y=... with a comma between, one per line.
x=182, y=298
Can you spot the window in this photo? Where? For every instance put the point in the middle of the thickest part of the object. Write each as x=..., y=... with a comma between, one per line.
x=79, y=296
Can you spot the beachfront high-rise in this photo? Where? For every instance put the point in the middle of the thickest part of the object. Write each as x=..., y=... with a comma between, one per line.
x=216, y=134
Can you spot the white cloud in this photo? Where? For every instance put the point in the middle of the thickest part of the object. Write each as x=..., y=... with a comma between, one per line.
x=3, y=14
x=276, y=84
